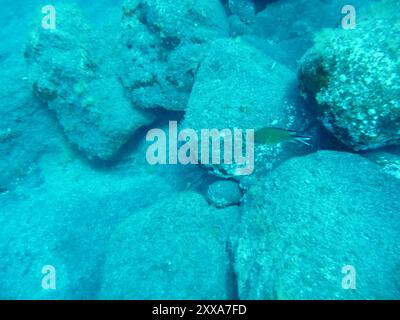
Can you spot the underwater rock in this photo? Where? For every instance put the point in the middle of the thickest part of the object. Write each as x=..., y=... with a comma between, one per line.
x=162, y=44
x=242, y=13
x=129, y=7
x=224, y=193
x=354, y=76
x=244, y=9
x=84, y=93
x=285, y=29
x=67, y=222
x=175, y=249
x=26, y=130
x=386, y=158
x=310, y=218
x=289, y=19
x=237, y=27
x=237, y=86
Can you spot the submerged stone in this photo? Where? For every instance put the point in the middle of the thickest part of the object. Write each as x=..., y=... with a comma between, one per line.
x=176, y=249
x=354, y=77
x=162, y=43
x=26, y=130
x=237, y=86
x=66, y=222
x=285, y=29
x=311, y=219
x=224, y=193
x=86, y=96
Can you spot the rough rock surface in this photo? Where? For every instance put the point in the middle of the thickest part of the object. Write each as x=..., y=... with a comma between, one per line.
x=354, y=76
x=83, y=91
x=311, y=217
x=285, y=29
x=387, y=158
x=162, y=44
x=26, y=130
x=167, y=250
x=242, y=14
x=237, y=86
x=66, y=221
x=224, y=193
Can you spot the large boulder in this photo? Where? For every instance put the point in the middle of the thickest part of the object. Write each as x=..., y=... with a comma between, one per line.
x=80, y=87
x=354, y=77
x=176, y=249
x=237, y=86
x=314, y=216
x=162, y=45
x=65, y=220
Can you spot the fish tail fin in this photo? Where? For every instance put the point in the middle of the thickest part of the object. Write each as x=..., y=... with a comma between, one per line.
x=303, y=139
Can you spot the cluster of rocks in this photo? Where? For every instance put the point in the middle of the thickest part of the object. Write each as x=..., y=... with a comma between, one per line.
x=180, y=57
x=286, y=232
x=174, y=56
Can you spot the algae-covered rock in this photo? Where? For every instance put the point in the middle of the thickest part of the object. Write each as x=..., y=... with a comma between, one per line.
x=161, y=46
x=237, y=86
x=84, y=93
x=354, y=76
x=224, y=193
x=176, y=249
x=312, y=217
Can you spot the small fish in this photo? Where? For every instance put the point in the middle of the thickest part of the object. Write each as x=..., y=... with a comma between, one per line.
x=277, y=135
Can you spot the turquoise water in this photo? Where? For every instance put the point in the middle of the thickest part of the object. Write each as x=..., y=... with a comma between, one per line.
x=109, y=191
